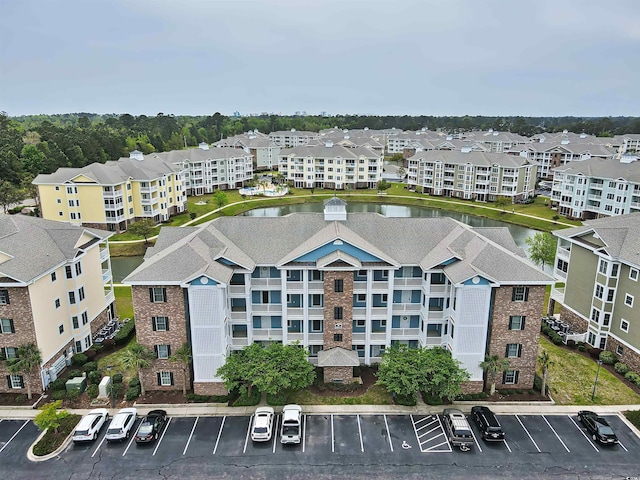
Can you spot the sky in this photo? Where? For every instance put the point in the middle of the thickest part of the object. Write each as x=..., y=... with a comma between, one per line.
x=370, y=57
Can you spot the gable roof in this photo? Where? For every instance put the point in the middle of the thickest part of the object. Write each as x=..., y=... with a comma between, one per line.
x=338, y=357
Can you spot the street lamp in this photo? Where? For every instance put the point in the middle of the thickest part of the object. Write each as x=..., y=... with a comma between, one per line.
x=596, y=382
x=113, y=404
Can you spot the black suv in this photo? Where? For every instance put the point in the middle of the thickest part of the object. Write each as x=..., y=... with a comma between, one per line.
x=597, y=427
x=489, y=426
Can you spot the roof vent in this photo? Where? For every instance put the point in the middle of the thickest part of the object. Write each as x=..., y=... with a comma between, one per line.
x=465, y=149
x=136, y=154
x=328, y=143
x=203, y=146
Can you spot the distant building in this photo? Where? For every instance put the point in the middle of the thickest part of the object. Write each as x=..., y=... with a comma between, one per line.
x=264, y=150
x=292, y=138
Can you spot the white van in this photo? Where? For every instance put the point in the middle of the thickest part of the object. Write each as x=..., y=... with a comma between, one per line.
x=291, y=424
x=121, y=425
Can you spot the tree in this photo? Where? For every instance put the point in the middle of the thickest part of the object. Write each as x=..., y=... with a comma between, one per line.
x=407, y=371
x=542, y=248
x=402, y=172
x=138, y=357
x=50, y=416
x=494, y=365
x=545, y=362
x=29, y=359
x=142, y=228
x=397, y=158
x=9, y=195
x=383, y=185
x=183, y=356
x=221, y=198
x=502, y=202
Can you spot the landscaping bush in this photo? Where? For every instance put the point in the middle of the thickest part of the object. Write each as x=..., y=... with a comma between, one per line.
x=90, y=367
x=94, y=377
x=595, y=353
x=582, y=348
x=608, y=358
x=406, y=400
x=96, y=347
x=135, y=382
x=58, y=384
x=125, y=333
x=59, y=394
x=556, y=339
x=519, y=392
x=621, y=368
x=50, y=441
x=248, y=401
x=430, y=399
x=74, y=373
x=132, y=393
x=532, y=392
x=556, y=217
x=633, y=377
x=634, y=417
x=580, y=343
x=342, y=387
x=79, y=359
x=92, y=391
x=277, y=398
x=73, y=395
x=15, y=210
x=117, y=378
x=571, y=344
x=90, y=354
x=108, y=343
x=192, y=397
x=117, y=389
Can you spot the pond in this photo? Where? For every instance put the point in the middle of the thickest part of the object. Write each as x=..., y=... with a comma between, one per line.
x=122, y=266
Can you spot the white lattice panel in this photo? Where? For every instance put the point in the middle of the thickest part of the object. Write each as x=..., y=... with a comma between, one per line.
x=208, y=340
x=206, y=366
x=471, y=326
x=206, y=306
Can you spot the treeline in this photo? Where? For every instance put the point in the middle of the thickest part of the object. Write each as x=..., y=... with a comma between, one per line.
x=34, y=144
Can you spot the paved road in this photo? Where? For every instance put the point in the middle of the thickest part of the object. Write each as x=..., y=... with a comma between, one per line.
x=358, y=446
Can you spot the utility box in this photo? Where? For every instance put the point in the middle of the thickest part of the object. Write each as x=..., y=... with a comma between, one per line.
x=103, y=388
x=78, y=384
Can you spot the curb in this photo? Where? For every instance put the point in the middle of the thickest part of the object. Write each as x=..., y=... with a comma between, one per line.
x=55, y=453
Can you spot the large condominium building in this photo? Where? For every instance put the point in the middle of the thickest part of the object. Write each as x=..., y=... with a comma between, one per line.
x=209, y=169
x=331, y=166
x=600, y=266
x=114, y=194
x=496, y=142
x=629, y=142
x=55, y=291
x=264, y=150
x=472, y=175
x=292, y=138
x=597, y=188
x=345, y=286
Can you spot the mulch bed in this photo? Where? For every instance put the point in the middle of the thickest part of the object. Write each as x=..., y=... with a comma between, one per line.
x=162, y=396
x=17, y=399
x=367, y=374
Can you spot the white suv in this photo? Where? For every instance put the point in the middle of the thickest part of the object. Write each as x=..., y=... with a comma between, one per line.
x=121, y=425
x=89, y=426
x=262, y=424
x=291, y=424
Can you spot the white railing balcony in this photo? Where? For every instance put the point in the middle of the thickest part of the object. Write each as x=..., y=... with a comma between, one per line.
x=435, y=315
x=397, y=333
x=596, y=185
x=295, y=336
x=149, y=189
x=265, y=282
x=406, y=307
x=594, y=197
x=150, y=213
x=316, y=337
x=116, y=219
x=295, y=312
x=236, y=290
x=361, y=286
x=375, y=359
x=378, y=337
x=316, y=312
x=239, y=342
x=563, y=252
x=112, y=194
x=359, y=312
x=316, y=285
x=295, y=286
x=434, y=340
x=358, y=337
x=149, y=200
x=380, y=285
x=109, y=297
x=267, y=334
x=559, y=274
x=557, y=294
x=378, y=311
x=106, y=275
x=407, y=282
x=267, y=308
x=634, y=205
x=239, y=315
x=104, y=255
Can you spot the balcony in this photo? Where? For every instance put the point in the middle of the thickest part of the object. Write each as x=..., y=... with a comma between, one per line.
x=435, y=316
x=267, y=334
x=380, y=285
x=109, y=297
x=434, y=340
x=438, y=289
x=316, y=312
x=399, y=308
x=295, y=312
x=295, y=337
x=295, y=286
x=106, y=275
x=112, y=194
x=316, y=285
x=240, y=315
x=236, y=290
x=557, y=294
x=379, y=311
x=401, y=333
x=359, y=312
x=148, y=200
x=239, y=342
x=150, y=213
x=265, y=282
x=116, y=219
x=378, y=337
x=407, y=282
x=104, y=255
x=151, y=189
x=267, y=308
x=594, y=197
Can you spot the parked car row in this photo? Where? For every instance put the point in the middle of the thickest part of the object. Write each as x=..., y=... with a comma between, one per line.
x=121, y=425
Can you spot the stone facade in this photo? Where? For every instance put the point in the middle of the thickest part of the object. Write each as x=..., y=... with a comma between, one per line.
x=472, y=387
x=100, y=321
x=527, y=338
x=333, y=299
x=342, y=374
x=19, y=310
x=631, y=358
x=578, y=324
x=209, y=388
x=175, y=337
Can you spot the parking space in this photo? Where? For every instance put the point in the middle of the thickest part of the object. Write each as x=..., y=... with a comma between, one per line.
x=205, y=434
x=319, y=434
x=234, y=435
x=346, y=434
x=375, y=435
x=16, y=436
x=402, y=434
x=430, y=434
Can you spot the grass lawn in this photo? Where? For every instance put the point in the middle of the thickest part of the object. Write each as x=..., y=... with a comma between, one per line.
x=124, y=302
x=376, y=395
x=115, y=360
x=127, y=249
x=572, y=377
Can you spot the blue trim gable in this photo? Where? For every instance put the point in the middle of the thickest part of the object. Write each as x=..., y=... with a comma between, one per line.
x=483, y=281
x=224, y=261
x=198, y=281
x=320, y=252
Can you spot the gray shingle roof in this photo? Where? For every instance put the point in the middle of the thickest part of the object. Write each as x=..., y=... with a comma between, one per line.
x=483, y=159
x=37, y=246
x=338, y=357
x=604, y=168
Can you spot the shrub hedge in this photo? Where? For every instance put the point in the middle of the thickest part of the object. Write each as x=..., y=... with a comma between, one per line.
x=58, y=384
x=51, y=440
x=192, y=397
x=135, y=382
x=125, y=333
x=406, y=400
x=73, y=395
x=90, y=367
x=634, y=417
x=92, y=390
x=132, y=392
x=79, y=359
x=117, y=378
x=277, y=399
x=248, y=401
x=608, y=358
x=90, y=354
x=59, y=394
x=633, y=377
x=621, y=368
x=95, y=377
x=74, y=373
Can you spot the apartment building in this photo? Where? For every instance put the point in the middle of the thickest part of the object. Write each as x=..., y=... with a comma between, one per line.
x=337, y=281
x=549, y=155
x=600, y=267
x=112, y=195
x=472, y=175
x=56, y=290
x=292, y=138
x=597, y=187
x=629, y=142
x=264, y=150
x=331, y=166
x=496, y=142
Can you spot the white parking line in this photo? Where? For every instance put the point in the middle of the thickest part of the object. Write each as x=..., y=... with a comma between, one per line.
x=132, y=439
x=14, y=435
x=388, y=434
x=166, y=427
x=360, y=434
x=583, y=434
x=275, y=434
x=428, y=432
x=620, y=443
x=304, y=433
x=527, y=431
x=476, y=440
x=246, y=439
x=436, y=446
x=556, y=434
x=219, y=433
x=507, y=445
x=425, y=426
x=333, y=441
x=445, y=437
x=99, y=445
x=428, y=417
x=190, y=435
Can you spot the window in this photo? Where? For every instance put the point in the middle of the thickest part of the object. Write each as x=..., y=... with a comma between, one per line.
x=4, y=297
x=338, y=285
x=562, y=266
x=68, y=271
x=520, y=294
x=57, y=303
x=61, y=329
x=9, y=353
x=85, y=318
x=294, y=326
x=15, y=381
x=314, y=349
x=165, y=379
x=317, y=300
x=81, y=294
x=74, y=322
x=624, y=325
x=337, y=337
x=606, y=320
x=438, y=279
x=337, y=313
x=316, y=326
x=595, y=315
x=157, y=295
x=628, y=300
x=78, y=268
x=614, y=270
x=359, y=349
x=602, y=267
x=619, y=350
x=162, y=351
x=516, y=322
x=239, y=331
x=6, y=325
x=160, y=324
x=72, y=298
x=633, y=274
x=510, y=377
x=53, y=276
x=514, y=350
x=599, y=291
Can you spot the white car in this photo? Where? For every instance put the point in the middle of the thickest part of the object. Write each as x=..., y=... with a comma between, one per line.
x=291, y=424
x=121, y=425
x=90, y=425
x=262, y=427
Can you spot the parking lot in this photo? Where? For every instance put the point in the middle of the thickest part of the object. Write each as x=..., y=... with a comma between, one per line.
x=330, y=438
